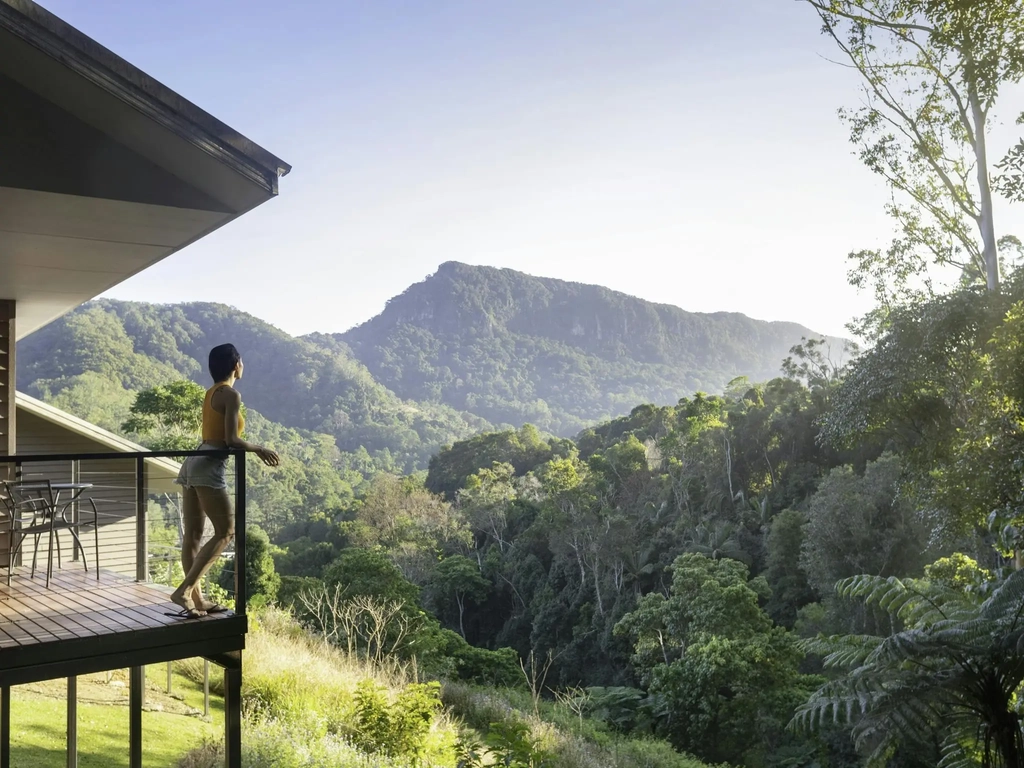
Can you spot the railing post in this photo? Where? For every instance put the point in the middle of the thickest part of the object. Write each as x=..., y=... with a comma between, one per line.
x=206, y=687
x=240, y=595
x=136, y=690
x=5, y=726
x=76, y=476
x=141, y=526
x=72, y=722
x=233, y=716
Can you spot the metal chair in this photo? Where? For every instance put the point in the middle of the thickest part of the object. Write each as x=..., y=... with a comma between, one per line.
x=9, y=520
x=36, y=511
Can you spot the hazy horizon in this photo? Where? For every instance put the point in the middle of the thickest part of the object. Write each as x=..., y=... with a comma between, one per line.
x=111, y=295
x=685, y=153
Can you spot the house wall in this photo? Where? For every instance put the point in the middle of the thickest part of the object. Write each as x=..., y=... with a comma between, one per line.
x=113, y=491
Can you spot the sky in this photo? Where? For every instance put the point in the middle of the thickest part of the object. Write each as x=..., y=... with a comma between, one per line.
x=683, y=151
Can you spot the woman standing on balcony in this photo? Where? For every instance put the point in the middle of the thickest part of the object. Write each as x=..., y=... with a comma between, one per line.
x=204, y=481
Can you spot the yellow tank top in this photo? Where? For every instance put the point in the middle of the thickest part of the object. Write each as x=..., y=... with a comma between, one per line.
x=213, y=422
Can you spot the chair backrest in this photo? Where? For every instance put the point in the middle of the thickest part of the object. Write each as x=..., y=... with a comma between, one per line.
x=28, y=498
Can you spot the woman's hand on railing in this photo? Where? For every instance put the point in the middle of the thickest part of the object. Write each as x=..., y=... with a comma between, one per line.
x=268, y=457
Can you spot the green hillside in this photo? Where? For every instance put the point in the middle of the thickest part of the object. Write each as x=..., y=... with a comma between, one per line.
x=88, y=360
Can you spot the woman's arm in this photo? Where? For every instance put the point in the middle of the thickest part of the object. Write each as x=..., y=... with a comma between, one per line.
x=232, y=402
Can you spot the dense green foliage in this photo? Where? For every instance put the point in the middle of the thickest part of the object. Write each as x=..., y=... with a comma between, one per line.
x=518, y=544
x=726, y=678
x=524, y=449
x=619, y=563
x=261, y=579
x=655, y=572
x=513, y=348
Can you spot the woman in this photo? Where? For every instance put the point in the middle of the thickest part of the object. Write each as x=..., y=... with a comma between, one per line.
x=205, y=484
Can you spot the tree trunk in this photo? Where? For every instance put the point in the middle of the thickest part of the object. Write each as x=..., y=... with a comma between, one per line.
x=597, y=588
x=1007, y=738
x=985, y=222
x=728, y=468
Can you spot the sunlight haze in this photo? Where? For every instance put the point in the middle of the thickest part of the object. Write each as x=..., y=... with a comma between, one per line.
x=684, y=151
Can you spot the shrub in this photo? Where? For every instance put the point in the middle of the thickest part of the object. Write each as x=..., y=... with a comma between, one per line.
x=261, y=580
x=399, y=727
x=447, y=655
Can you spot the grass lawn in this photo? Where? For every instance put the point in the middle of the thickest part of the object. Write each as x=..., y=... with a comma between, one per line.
x=171, y=725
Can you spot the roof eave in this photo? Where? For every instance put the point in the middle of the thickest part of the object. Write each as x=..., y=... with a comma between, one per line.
x=90, y=431
x=90, y=60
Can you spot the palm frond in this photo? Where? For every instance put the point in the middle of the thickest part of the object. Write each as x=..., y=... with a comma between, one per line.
x=954, y=668
x=954, y=755
x=1006, y=601
x=840, y=651
x=898, y=598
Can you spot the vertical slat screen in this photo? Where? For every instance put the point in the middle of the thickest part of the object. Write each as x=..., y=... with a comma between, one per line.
x=8, y=431
x=8, y=426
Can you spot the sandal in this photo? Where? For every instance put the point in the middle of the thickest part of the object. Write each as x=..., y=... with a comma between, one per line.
x=215, y=608
x=188, y=608
x=187, y=613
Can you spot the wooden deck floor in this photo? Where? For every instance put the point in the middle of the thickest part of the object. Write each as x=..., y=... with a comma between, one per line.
x=80, y=624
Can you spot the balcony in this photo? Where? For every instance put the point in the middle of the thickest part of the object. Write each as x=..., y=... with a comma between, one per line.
x=115, y=616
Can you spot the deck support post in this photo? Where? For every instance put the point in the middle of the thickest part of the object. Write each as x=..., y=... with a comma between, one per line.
x=136, y=686
x=72, y=722
x=141, y=526
x=233, y=715
x=5, y=726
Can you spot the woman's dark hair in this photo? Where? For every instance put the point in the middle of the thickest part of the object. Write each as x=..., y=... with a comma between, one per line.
x=223, y=359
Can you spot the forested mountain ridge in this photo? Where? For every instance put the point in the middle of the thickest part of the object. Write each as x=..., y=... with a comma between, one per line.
x=469, y=348
x=514, y=348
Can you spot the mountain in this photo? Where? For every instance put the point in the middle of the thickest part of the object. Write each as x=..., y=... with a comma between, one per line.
x=513, y=348
x=89, y=360
x=468, y=348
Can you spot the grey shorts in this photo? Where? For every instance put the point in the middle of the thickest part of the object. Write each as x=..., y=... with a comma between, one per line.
x=209, y=471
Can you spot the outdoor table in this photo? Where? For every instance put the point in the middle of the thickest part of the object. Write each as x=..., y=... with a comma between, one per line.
x=54, y=506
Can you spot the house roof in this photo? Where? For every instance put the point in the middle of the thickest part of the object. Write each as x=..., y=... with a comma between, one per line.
x=161, y=467
x=104, y=171
x=83, y=55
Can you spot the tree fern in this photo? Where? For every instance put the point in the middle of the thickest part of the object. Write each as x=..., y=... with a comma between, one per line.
x=952, y=671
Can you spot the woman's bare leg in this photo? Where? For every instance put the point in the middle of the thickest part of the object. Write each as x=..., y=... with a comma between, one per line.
x=193, y=522
x=216, y=505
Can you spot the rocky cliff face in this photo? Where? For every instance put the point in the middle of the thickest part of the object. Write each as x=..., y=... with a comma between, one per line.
x=464, y=328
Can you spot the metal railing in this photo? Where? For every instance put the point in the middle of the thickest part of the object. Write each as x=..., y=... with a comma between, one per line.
x=120, y=488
